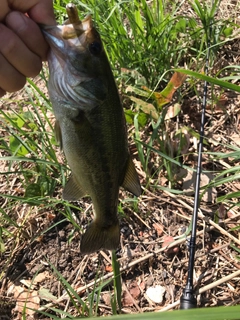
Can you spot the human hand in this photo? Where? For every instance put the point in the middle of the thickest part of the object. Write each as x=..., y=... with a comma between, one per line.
x=22, y=45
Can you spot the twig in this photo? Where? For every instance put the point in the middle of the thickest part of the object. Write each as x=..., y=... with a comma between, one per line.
x=139, y=218
x=216, y=226
x=203, y=289
x=110, y=274
x=133, y=263
x=236, y=265
x=218, y=248
x=131, y=297
x=218, y=282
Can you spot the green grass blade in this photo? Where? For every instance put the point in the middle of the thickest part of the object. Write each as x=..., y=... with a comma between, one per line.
x=218, y=82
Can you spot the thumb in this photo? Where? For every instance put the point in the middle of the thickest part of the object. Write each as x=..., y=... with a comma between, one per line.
x=42, y=13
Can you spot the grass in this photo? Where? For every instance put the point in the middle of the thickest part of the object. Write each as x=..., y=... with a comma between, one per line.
x=146, y=43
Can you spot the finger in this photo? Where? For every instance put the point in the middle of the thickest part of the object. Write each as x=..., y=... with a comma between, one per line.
x=10, y=79
x=4, y=9
x=2, y=92
x=18, y=54
x=41, y=11
x=29, y=32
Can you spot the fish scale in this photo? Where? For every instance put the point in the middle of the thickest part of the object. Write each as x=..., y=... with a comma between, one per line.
x=90, y=126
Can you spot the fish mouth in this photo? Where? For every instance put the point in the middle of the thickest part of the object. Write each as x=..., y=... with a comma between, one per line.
x=72, y=29
x=53, y=35
x=70, y=56
x=70, y=35
x=74, y=34
x=69, y=30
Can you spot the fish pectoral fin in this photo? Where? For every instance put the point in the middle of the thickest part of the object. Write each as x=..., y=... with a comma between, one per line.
x=58, y=133
x=73, y=191
x=97, y=237
x=131, y=180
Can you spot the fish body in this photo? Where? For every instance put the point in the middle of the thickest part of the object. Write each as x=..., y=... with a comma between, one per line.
x=90, y=127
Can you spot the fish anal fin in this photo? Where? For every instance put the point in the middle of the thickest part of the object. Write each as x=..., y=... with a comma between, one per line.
x=98, y=237
x=73, y=191
x=131, y=180
x=58, y=133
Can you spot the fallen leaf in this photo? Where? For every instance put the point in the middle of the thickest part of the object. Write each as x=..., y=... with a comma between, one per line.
x=173, y=111
x=51, y=216
x=146, y=107
x=156, y=293
x=126, y=300
x=132, y=294
x=222, y=212
x=236, y=139
x=106, y=297
x=167, y=240
x=26, y=300
x=135, y=291
x=45, y=294
x=109, y=268
x=165, y=96
x=41, y=277
x=159, y=228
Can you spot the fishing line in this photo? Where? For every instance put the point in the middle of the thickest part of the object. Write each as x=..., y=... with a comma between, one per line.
x=188, y=299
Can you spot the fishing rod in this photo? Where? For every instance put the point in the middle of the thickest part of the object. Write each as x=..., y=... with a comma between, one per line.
x=188, y=299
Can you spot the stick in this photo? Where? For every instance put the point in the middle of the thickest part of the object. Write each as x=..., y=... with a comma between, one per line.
x=133, y=263
x=203, y=289
x=216, y=226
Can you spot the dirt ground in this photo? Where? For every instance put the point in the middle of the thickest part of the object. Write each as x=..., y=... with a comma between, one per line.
x=154, y=250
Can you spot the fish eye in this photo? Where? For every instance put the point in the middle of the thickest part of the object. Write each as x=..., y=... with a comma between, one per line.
x=95, y=47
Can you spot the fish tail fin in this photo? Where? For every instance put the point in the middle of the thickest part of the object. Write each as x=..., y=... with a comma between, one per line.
x=98, y=237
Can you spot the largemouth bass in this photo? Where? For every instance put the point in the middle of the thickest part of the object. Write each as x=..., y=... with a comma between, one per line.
x=90, y=126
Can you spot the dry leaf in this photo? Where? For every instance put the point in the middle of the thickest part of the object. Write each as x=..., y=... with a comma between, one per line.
x=146, y=107
x=51, y=216
x=132, y=294
x=40, y=277
x=159, y=228
x=166, y=95
x=109, y=268
x=167, y=240
x=235, y=138
x=135, y=291
x=45, y=294
x=106, y=297
x=26, y=300
x=126, y=299
x=173, y=111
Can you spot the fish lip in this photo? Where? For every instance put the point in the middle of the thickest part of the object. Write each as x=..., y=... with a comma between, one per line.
x=61, y=36
x=68, y=30
x=52, y=34
x=58, y=50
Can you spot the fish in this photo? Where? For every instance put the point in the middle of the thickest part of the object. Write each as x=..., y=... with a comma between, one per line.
x=90, y=126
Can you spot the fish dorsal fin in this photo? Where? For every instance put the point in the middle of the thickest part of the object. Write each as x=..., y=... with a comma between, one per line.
x=131, y=180
x=73, y=191
x=58, y=133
